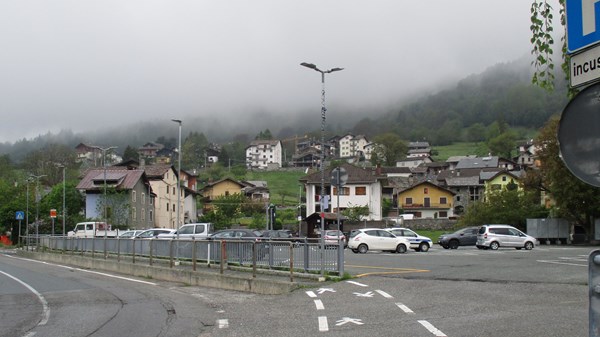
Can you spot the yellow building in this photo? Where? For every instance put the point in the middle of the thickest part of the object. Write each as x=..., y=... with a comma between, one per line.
x=426, y=200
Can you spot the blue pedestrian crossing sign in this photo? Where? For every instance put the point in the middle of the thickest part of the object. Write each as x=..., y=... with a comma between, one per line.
x=583, y=24
x=19, y=215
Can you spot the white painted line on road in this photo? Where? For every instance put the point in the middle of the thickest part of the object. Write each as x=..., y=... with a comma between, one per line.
x=563, y=263
x=357, y=283
x=432, y=329
x=384, y=294
x=86, y=271
x=223, y=323
x=323, y=325
x=405, y=308
x=576, y=259
x=311, y=294
x=319, y=305
x=45, y=307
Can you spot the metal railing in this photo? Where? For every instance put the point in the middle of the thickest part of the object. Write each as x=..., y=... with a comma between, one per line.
x=305, y=256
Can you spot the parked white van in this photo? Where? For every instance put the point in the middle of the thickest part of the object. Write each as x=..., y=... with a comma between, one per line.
x=496, y=235
x=191, y=230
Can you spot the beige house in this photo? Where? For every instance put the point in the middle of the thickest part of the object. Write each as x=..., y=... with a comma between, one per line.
x=163, y=180
x=223, y=187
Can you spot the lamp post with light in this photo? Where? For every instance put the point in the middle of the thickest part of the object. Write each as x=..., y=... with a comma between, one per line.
x=323, y=119
x=178, y=121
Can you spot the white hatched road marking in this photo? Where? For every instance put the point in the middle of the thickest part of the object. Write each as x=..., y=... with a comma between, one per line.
x=357, y=283
x=311, y=294
x=323, y=325
x=322, y=290
x=432, y=329
x=405, y=308
x=563, y=263
x=319, y=305
x=223, y=323
x=384, y=294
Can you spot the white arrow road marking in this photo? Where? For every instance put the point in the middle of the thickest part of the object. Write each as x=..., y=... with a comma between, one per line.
x=384, y=294
x=311, y=294
x=319, y=305
x=367, y=294
x=323, y=326
x=322, y=290
x=345, y=320
x=432, y=329
x=223, y=323
x=405, y=308
x=357, y=284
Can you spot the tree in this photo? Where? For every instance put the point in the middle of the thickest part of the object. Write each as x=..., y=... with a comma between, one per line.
x=355, y=213
x=264, y=135
x=390, y=147
x=503, y=144
x=130, y=153
x=194, y=150
x=543, y=42
x=510, y=206
x=574, y=199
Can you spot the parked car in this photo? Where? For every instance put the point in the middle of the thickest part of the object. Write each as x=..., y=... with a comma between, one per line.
x=497, y=235
x=365, y=239
x=280, y=235
x=417, y=242
x=154, y=232
x=189, y=231
x=130, y=234
x=462, y=237
x=333, y=236
x=236, y=234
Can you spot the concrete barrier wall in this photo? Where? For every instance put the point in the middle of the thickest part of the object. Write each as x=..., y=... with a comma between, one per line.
x=212, y=279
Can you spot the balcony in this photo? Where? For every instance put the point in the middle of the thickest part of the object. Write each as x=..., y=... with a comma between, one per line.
x=426, y=206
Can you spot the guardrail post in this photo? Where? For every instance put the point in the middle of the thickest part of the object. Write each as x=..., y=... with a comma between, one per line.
x=341, y=259
x=223, y=253
x=291, y=262
x=118, y=249
x=193, y=254
x=306, y=254
x=254, y=259
x=133, y=251
x=151, y=254
x=171, y=253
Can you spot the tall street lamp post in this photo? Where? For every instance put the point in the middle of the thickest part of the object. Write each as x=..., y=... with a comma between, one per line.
x=323, y=119
x=178, y=121
x=37, y=207
x=104, y=150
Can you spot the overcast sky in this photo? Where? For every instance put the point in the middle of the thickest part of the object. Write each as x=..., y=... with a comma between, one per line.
x=79, y=65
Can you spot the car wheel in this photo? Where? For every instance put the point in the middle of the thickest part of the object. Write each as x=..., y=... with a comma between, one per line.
x=423, y=247
x=401, y=249
x=494, y=245
x=446, y=246
x=528, y=245
x=355, y=251
x=363, y=249
x=453, y=244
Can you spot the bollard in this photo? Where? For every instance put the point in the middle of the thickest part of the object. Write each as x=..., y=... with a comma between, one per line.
x=594, y=293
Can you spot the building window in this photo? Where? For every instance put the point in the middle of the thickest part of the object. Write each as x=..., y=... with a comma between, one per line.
x=443, y=200
x=173, y=209
x=408, y=201
x=150, y=216
x=443, y=214
x=504, y=178
x=343, y=191
x=167, y=206
x=133, y=213
x=133, y=196
x=143, y=198
x=426, y=190
x=167, y=189
x=143, y=214
x=361, y=190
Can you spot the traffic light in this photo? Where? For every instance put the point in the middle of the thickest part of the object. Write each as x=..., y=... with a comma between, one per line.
x=594, y=292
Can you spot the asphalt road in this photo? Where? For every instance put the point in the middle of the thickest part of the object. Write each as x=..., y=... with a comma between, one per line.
x=464, y=292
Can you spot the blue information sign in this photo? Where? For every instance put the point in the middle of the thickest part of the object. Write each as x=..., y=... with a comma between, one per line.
x=583, y=28
x=19, y=215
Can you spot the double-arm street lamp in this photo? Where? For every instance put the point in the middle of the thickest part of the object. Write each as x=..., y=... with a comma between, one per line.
x=323, y=119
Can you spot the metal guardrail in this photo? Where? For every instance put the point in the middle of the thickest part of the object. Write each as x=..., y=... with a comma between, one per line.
x=306, y=256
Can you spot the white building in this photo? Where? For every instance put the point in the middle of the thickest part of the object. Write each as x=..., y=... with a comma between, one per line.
x=352, y=146
x=363, y=188
x=264, y=154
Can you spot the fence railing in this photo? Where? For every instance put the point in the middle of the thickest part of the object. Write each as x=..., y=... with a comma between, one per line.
x=305, y=256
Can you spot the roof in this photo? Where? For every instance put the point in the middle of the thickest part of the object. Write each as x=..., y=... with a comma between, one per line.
x=356, y=175
x=427, y=183
x=122, y=178
x=157, y=171
x=477, y=162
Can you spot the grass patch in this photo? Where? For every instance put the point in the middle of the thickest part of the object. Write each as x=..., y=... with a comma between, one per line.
x=459, y=149
x=283, y=185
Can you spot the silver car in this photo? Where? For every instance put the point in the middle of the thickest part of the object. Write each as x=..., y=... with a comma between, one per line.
x=495, y=236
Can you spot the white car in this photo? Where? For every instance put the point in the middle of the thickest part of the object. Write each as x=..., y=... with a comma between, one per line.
x=364, y=239
x=190, y=231
x=153, y=233
x=417, y=242
x=130, y=234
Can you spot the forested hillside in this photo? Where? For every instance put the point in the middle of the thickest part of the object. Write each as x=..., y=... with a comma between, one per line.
x=503, y=93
